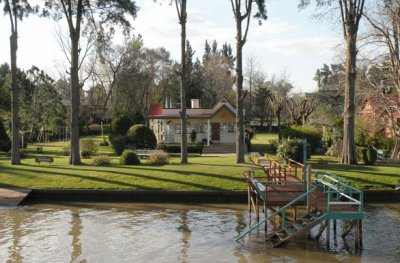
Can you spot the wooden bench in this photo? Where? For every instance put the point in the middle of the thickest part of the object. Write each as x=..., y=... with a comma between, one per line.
x=46, y=159
x=145, y=153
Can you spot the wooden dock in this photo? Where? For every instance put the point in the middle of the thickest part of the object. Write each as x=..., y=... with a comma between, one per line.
x=12, y=197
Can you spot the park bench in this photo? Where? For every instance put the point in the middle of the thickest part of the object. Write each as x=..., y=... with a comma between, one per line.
x=144, y=154
x=46, y=159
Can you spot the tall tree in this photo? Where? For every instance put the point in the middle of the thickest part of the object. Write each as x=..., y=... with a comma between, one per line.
x=242, y=11
x=182, y=17
x=15, y=10
x=300, y=107
x=96, y=19
x=351, y=12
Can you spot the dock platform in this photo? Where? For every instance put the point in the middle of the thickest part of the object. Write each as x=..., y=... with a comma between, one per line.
x=12, y=197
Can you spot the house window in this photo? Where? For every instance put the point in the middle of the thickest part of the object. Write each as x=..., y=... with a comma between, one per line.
x=178, y=129
x=222, y=127
x=231, y=127
x=188, y=127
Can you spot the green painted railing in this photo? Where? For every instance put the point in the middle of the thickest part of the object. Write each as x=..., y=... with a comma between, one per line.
x=281, y=210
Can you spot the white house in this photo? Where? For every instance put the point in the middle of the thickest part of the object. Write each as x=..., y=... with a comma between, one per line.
x=216, y=124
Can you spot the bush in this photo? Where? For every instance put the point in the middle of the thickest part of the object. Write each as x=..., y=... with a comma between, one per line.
x=118, y=143
x=369, y=155
x=101, y=160
x=104, y=143
x=120, y=125
x=94, y=128
x=5, y=142
x=158, y=158
x=176, y=148
x=335, y=149
x=141, y=137
x=193, y=135
x=255, y=159
x=311, y=134
x=129, y=157
x=292, y=149
x=88, y=148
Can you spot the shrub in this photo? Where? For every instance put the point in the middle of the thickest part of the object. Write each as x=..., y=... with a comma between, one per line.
x=176, y=148
x=94, y=128
x=120, y=124
x=335, y=149
x=85, y=154
x=101, y=160
x=5, y=142
x=88, y=148
x=193, y=136
x=39, y=149
x=369, y=155
x=158, y=158
x=311, y=134
x=129, y=157
x=292, y=149
x=104, y=142
x=255, y=159
x=118, y=143
x=141, y=137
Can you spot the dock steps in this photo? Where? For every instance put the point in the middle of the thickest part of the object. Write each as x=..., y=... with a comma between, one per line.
x=296, y=229
x=12, y=197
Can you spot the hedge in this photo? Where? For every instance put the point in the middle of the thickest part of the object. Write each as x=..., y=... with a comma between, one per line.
x=311, y=134
x=176, y=148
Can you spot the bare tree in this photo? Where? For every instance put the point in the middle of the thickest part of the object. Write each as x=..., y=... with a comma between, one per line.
x=300, y=107
x=350, y=12
x=385, y=23
x=242, y=12
x=91, y=18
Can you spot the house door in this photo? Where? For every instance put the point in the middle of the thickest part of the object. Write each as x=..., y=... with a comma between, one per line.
x=215, y=132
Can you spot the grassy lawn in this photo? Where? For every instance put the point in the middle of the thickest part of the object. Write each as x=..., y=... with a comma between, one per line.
x=203, y=173
x=260, y=143
x=380, y=176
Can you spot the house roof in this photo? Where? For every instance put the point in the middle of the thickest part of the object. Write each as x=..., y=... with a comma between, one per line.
x=156, y=111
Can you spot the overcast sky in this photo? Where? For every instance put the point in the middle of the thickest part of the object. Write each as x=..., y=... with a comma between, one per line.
x=290, y=40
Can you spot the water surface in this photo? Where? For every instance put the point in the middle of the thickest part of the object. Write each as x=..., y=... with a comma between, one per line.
x=175, y=233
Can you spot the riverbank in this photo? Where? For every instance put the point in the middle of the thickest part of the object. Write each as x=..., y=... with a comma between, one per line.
x=160, y=196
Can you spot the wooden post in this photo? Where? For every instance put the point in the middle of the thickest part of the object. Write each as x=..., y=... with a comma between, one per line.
x=359, y=233
x=257, y=209
x=328, y=232
x=248, y=199
x=334, y=227
x=309, y=188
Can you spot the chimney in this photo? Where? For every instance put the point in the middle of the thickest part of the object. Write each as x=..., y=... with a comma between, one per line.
x=195, y=103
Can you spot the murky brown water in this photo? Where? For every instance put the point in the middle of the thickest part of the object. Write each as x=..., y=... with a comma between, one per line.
x=172, y=233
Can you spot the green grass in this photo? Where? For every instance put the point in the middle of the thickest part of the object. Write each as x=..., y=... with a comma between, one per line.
x=261, y=142
x=203, y=173
x=380, y=176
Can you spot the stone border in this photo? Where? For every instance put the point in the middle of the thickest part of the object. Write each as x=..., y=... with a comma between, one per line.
x=164, y=196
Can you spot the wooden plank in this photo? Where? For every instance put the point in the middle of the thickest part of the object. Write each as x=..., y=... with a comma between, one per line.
x=12, y=197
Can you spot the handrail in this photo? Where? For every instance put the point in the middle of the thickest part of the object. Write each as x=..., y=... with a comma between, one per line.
x=282, y=209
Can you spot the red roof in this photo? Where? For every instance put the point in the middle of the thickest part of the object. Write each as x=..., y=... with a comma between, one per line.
x=155, y=110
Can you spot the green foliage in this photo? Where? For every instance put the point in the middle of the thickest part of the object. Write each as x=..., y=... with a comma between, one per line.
x=88, y=148
x=369, y=155
x=5, y=143
x=193, y=135
x=101, y=160
x=120, y=125
x=255, y=159
x=176, y=148
x=129, y=157
x=118, y=143
x=141, y=137
x=335, y=149
x=292, y=149
x=158, y=158
x=311, y=134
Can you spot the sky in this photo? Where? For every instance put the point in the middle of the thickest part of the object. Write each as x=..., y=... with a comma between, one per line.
x=290, y=40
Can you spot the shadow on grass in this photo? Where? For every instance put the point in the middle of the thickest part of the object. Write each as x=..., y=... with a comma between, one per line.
x=16, y=170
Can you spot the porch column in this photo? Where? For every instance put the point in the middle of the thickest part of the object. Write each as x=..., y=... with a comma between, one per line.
x=208, y=132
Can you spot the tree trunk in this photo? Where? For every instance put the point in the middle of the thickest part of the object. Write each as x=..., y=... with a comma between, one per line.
x=278, y=116
x=349, y=154
x=396, y=149
x=182, y=21
x=75, y=99
x=15, y=156
x=239, y=92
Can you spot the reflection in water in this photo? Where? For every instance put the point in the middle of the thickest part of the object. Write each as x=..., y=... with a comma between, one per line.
x=76, y=226
x=172, y=233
